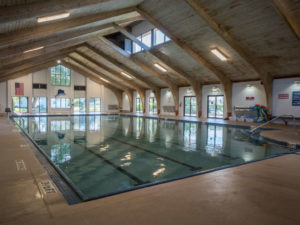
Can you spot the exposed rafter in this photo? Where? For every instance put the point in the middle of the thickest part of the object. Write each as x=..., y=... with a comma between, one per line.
x=85, y=31
x=129, y=83
x=41, y=8
x=27, y=71
x=29, y=61
x=122, y=67
x=222, y=77
x=285, y=8
x=101, y=75
x=164, y=59
x=237, y=46
x=54, y=48
x=54, y=27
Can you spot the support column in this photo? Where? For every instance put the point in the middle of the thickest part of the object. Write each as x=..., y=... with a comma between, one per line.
x=142, y=96
x=130, y=99
x=175, y=93
x=198, y=93
x=228, y=95
x=157, y=96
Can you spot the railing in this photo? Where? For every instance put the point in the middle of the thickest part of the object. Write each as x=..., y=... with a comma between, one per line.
x=278, y=117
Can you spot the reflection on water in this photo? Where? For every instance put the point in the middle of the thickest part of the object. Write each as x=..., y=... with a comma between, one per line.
x=102, y=154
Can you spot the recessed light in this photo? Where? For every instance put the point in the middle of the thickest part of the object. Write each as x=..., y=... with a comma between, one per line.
x=126, y=75
x=104, y=80
x=34, y=49
x=53, y=17
x=219, y=54
x=160, y=67
x=58, y=61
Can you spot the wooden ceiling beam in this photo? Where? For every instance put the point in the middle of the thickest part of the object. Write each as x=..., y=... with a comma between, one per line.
x=25, y=62
x=50, y=28
x=285, y=9
x=196, y=84
x=55, y=38
x=27, y=71
x=42, y=8
x=101, y=75
x=46, y=58
x=221, y=76
x=128, y=82
x=54, y=48
x=171, y=85
x=122, y=67
x=237, y=46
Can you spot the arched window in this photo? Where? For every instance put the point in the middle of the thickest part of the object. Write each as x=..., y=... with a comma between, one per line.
x=60, y=75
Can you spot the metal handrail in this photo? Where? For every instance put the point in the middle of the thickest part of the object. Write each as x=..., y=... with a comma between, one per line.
x=278, y=117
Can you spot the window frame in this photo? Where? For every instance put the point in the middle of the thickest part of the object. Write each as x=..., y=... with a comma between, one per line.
x=60, y=75
x=19, y=105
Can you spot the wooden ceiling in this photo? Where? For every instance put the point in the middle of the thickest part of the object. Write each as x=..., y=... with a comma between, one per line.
x=261, y=39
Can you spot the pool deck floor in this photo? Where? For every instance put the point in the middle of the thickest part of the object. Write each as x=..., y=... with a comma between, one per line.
x=264, y=192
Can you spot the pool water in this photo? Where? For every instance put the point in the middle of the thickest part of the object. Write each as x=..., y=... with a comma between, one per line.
x=101, y=155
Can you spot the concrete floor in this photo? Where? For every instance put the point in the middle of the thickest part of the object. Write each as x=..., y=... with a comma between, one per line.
x=264, y=192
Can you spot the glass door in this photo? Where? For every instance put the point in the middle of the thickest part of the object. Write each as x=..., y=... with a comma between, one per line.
x=152, y=105
x=79, y=105
x=138, y=105
x=215, y=106
x=190, y=106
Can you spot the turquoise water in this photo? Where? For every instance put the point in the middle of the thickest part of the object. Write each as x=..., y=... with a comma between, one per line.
x=106, y=154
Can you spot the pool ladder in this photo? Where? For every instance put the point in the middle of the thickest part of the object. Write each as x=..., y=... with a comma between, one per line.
x=272, y=120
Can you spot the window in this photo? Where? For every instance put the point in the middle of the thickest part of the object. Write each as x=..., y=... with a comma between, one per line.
x=60, y=103
x=60, y=75
x=79, y=88
x=79, y=105
x=20, y=104
x=39, y=104
x=135, y=46
x=95, y=105
x=39, y=86
x=152, y=105
x=138, y=105
x=149, y=38
x=159, y=37
x=60, y=125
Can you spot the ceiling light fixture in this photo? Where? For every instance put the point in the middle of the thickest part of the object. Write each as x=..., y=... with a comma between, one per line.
x=53, y=17
x=34, y=49
x=160, y=67
x=126, y=75
x=58, y=61
x=104, y=80
x=219, y=54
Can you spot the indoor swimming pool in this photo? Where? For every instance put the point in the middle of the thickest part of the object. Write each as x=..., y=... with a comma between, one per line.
x=102, y=155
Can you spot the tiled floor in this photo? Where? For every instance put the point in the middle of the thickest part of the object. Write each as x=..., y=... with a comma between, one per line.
x=265, y=192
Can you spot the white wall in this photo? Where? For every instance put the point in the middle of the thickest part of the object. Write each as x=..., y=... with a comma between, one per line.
x=93, y=90
x=242, y=90
x=125, y=101
x=284, y=106
x=166, y=99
